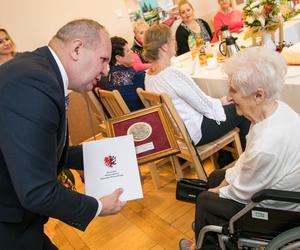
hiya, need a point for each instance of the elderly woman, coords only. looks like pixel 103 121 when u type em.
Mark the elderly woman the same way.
pixel 271 159
pixel 139 29
pixel 229 16
pixel 191 28
pixel 7 47
pixel 205 118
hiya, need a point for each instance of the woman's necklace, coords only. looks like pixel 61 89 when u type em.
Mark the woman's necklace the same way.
pixel 194 27
pixel 158 67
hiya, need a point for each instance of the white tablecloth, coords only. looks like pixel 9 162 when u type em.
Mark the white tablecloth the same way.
pixel 214 82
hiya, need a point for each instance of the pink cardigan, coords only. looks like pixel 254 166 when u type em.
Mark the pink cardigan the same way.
pixel 138 65
pixel 234 20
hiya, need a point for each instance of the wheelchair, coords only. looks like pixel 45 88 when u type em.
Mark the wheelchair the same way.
pixel 260 228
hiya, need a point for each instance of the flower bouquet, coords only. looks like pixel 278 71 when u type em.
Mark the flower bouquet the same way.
pixel 285 9
pixel 261 16
pixel 67 179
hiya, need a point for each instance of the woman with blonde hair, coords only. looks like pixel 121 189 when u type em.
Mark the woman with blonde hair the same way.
pixel 205 118
pixel 191 28
pixel 227 15
pixel 7 47
pixel 139 29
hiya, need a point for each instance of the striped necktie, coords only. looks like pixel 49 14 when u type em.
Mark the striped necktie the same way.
pixel 67 101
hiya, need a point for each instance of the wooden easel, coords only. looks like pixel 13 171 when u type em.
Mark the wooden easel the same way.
pixel 256 38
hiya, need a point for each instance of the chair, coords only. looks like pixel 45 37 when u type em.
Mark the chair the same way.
pixel 82 125
pixel 96 108
pixel 188 151
pixel 81 121
pixel 260 228
pixel 116 106
pixel 113 102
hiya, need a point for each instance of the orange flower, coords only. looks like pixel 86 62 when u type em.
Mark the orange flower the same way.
pixel 268 8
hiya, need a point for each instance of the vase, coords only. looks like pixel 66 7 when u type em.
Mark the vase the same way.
pixel 267 41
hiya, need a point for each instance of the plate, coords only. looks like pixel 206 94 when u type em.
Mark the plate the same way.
pixel 293 71
pixel 211 66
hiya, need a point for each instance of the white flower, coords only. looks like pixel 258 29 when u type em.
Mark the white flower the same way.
pixel 250 19
pixel 261 8
pixel 261 13
pixel 262 21
pixel 254 4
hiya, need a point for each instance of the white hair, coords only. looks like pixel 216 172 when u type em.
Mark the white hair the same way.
pixel 254 68
pixel 139 23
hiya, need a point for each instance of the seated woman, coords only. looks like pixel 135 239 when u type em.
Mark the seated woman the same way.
pixel 205 118
pixel 122 76
pixel 190 28
pixel 7 47
pixel 271 159
pixel 139 29
pixel 229 16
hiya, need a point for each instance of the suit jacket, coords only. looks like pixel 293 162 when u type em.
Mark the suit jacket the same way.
pixel 32 151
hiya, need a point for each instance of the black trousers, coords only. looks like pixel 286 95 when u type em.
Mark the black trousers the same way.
pixel 212 131
pixel 27 234
pixel 211 209
pixel 48 245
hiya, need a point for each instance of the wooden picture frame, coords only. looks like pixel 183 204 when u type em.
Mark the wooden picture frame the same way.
pixel 151 129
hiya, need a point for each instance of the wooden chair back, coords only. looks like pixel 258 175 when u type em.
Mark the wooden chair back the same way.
pixel 188 151
pixel 151 99
pixel 82 124
pixel 148 98
pixel 113 102
pixel 97 111
pixel 207 150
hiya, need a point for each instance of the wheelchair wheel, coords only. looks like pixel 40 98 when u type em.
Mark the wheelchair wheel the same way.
pixel 287 240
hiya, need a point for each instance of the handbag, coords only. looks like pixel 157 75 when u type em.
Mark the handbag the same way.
pixel 188 189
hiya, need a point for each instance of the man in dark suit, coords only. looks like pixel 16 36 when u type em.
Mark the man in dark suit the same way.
pixel 33 135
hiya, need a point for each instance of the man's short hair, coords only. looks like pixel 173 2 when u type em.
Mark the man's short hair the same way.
pixel 85 29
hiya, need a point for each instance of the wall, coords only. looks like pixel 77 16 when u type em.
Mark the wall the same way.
pixel 32 23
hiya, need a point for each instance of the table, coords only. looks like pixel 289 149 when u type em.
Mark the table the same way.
pixel 214 81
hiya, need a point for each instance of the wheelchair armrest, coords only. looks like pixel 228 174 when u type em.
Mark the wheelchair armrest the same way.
pixel 276 195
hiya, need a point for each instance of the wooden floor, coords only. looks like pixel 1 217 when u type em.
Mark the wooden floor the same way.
pixel 158 221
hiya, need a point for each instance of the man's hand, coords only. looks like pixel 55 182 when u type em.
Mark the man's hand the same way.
pixel 111 203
